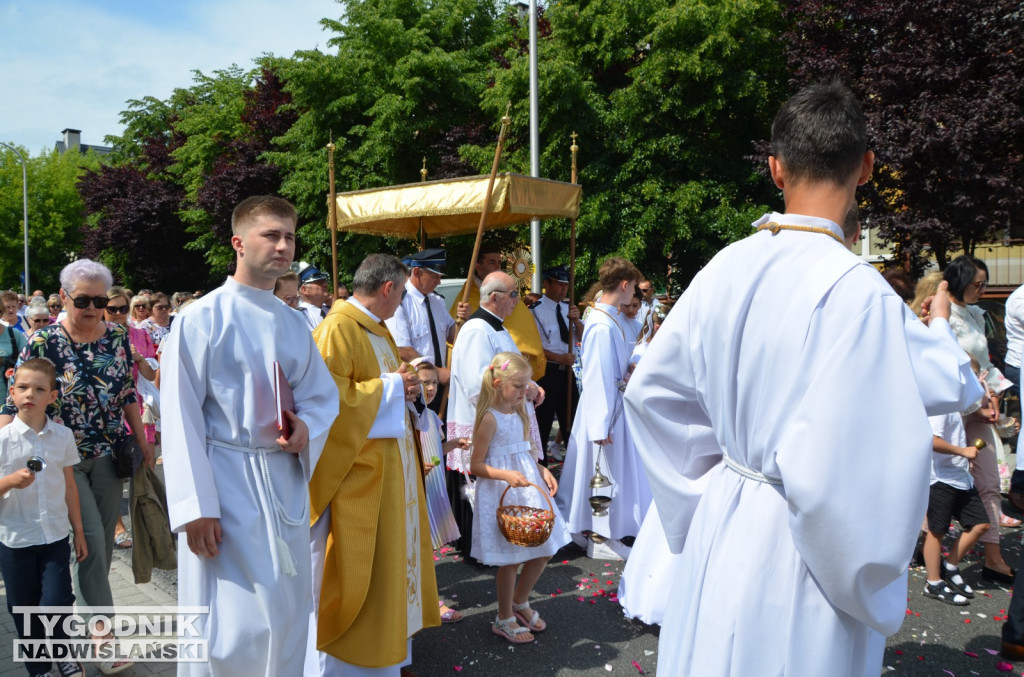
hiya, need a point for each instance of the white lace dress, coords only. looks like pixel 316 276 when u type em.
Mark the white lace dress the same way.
pixel 509 451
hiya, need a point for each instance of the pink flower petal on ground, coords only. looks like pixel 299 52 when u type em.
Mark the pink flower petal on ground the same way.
pixel 897 652
pixel 558 590
pixel 992 651
pixel 565 561
pixel 971 654
pixel 641 670
pixel 1003 666
pixel 967 620
pixel 457 668
pixel 579 599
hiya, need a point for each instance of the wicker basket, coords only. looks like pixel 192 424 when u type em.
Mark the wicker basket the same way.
pixel 525 525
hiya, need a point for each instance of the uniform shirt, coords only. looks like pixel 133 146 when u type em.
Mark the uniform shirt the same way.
pixel 1014 321
pixel 312 314
pixel 948 468
pixel 37 514
pixel 410 327
pixel 544 313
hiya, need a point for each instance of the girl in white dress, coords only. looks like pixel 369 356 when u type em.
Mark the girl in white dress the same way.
pixel 501 456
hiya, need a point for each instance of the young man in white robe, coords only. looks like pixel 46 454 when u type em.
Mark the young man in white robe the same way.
pixel 781 414
pixel 481 338
pixel 236 486
pixel 600 425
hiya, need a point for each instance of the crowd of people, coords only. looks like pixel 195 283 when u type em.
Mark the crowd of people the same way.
pixel 317 448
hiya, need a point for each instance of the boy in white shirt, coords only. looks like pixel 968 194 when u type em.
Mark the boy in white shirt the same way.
pixel 951 494
pixel 37 507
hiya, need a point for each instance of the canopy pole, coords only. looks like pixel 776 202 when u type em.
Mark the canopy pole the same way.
pixel 572 291
pixel 423 179
pixel 333 211
pixel 505 122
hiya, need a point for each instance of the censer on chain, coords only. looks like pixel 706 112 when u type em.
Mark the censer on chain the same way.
pixel 599 504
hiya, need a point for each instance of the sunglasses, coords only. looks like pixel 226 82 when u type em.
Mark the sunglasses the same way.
pixel 82 302
pixel 40 320
pixel 511 294
pixel 54 306
pixel 161 306
pixel 117 310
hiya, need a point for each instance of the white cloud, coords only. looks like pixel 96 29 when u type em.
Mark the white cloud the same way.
pixel 74 63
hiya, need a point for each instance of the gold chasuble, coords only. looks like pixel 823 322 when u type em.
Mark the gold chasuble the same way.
pixel 378 584
pixel 520 325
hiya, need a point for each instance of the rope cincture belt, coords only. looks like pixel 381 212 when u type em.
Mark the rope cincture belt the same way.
pixel 748 473
pixel 278 516
pixel 776 227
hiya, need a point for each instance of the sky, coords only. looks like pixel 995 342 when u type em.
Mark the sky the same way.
pixel 74 63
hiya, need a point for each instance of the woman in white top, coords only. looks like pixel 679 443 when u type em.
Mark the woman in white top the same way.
pixel 967 280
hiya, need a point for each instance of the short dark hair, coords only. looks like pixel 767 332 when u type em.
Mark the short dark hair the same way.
pixel 959 273
pixel 251 207
pixel 615 271
pixel 487 248
pixel 39 365
pixel 820 133
pixel 375 270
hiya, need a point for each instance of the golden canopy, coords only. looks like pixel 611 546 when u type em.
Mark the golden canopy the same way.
pixel 452 206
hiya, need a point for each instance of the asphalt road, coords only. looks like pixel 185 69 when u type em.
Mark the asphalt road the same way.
pixel 588 635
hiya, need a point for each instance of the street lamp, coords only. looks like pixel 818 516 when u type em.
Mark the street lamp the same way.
pixel 24 201
pixel 522 5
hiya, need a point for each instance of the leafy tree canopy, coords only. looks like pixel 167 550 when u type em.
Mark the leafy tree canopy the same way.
pixel 667 98
pixel 942 82
pixel 55 213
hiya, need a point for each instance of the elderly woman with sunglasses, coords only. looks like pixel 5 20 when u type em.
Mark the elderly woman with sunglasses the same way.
pixel 139 311
pixel 37 316
pixel 97 396
pixel 159 323
pixel 141 346
pixel 55 307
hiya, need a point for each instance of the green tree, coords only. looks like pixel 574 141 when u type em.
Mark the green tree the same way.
pixel 55 215
pixel 668 98
pixel 404 83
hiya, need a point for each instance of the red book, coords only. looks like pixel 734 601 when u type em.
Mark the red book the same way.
pixel 284 399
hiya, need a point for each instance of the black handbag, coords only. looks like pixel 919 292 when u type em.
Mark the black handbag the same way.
pixel 126 455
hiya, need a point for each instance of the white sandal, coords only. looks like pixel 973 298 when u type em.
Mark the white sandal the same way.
pixel 534 623
pixel 510 630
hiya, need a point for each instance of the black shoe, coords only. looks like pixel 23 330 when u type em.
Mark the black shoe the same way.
pixel 944 593
pixel 956 581
pixel 69 669
pixel 998 576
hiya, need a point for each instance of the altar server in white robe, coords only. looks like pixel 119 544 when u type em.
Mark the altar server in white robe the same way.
pixel 781 416
pixel 599 423
pixel 236 487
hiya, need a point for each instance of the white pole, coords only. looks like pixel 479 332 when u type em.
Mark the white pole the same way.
pixel 24 203
pixel 534 145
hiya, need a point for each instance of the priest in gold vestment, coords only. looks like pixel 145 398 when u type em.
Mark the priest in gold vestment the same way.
pixel 520 325
pixel 373 569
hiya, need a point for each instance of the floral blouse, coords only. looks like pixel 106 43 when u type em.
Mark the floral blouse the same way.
pixel 92 405
pixel 155 331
